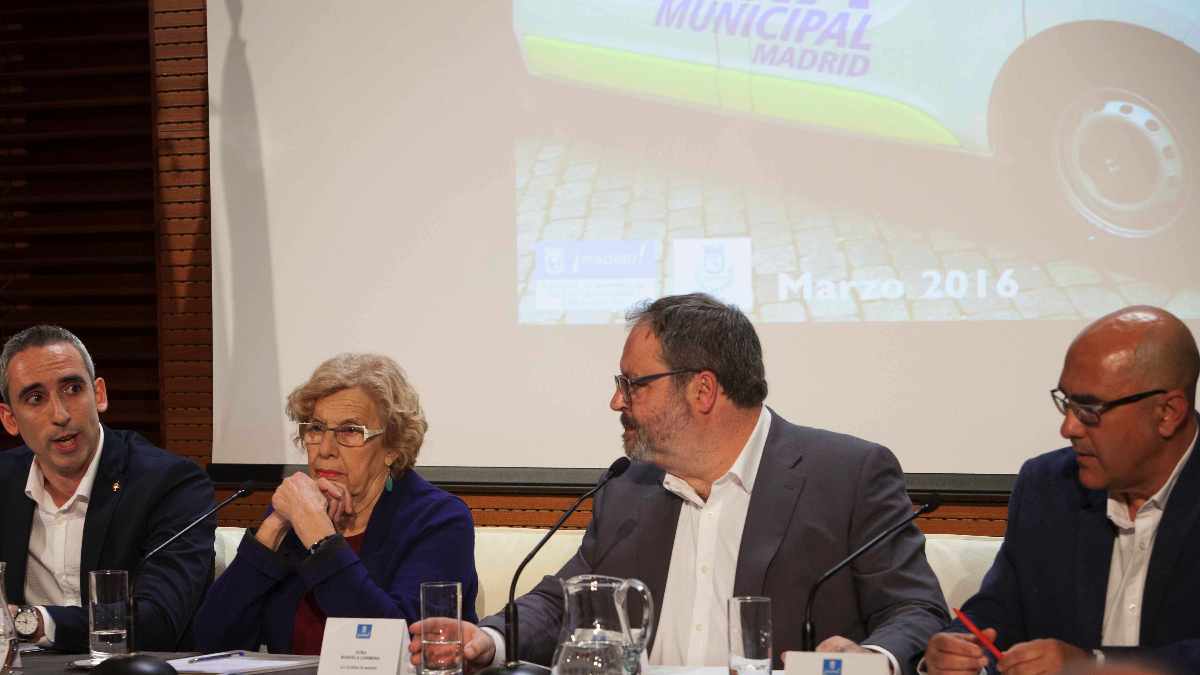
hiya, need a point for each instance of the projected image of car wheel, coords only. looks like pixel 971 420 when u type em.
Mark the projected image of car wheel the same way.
pixel 1122 163
pixel 1097 130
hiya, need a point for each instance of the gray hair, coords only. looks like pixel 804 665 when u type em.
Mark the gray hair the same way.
pixel 41 335
pixel 699 332
pixel 383 380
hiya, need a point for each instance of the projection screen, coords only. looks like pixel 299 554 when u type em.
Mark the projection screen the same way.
pixel 918 202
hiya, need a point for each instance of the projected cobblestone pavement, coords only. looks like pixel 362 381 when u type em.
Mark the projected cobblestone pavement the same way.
pixel 811 261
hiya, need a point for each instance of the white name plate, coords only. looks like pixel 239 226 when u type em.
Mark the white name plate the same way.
pixel 834 663
pixel 365 647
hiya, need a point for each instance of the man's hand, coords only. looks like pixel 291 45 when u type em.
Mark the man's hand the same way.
pixel 837 643
pixel 956 653
pixel 1039 657
pixel 479 650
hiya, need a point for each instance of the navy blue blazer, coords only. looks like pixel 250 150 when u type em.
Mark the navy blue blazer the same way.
pixel 142 496
pixel 416 533
pixel 1050 577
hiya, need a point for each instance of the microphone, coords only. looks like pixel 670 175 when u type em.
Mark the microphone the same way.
pixel 512 664
pixel 808 639
pixel 244 490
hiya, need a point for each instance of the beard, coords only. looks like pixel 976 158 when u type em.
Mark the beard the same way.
pixel 653 433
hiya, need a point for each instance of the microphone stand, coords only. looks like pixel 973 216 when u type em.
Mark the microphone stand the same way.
pixel 145 664
pixel 512 664
pixel 808 638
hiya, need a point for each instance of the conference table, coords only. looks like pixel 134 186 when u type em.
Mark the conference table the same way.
pixel 59 663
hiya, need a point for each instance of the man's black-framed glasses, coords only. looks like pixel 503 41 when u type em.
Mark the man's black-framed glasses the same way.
pixel 347 435
pixel 626 385
pixel 1089 413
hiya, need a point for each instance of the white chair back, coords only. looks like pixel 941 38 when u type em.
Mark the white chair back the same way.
pixel 959 561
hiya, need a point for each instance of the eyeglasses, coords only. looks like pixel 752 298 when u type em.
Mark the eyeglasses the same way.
pixel 626 385
pixel 348 435
pixel 1089 413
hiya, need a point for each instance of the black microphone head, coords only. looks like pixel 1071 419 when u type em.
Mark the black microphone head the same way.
pixel 618 467
pixel 247 488
pixel 931 503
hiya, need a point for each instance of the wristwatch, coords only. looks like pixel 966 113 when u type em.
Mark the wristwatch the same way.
pixel 313 549
pixel 27 621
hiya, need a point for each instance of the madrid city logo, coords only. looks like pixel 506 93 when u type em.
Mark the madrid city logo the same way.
pixel 556 259
pixel 716 274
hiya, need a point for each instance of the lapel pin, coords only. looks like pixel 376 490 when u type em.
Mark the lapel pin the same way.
pixel 116 486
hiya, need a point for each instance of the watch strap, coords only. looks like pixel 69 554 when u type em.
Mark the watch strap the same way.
pixel 313 549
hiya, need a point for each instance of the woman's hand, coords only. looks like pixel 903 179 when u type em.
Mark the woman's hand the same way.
pixel 341 505
pixel 272 531
pixel 300 501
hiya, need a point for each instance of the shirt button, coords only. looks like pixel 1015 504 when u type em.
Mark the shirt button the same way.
pixel 710 515
pixel 704 570
pixel 59 521
pixel 1142 546
pixel 60 575
pixel 1133 608
pixel 699 627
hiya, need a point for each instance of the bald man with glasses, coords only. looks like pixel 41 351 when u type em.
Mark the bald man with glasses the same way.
pixel 1101 557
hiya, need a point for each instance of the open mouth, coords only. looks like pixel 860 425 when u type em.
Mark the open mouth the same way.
pixel 66 443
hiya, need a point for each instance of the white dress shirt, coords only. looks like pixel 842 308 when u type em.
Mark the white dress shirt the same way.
pixel 1131 559
pixel 694 624
pixel 55 543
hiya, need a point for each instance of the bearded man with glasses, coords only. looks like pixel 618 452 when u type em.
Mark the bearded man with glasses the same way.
pixel 727 498
pixel 1101 558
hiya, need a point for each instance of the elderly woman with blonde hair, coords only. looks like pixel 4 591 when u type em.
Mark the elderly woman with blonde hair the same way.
pixel 357 535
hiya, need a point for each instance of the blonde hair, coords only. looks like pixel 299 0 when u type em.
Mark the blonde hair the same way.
pixel 383 380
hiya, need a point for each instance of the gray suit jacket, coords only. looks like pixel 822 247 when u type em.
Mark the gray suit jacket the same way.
pixel 818 497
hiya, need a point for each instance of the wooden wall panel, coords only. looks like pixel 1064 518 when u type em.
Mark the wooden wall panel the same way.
pixel 77 227
pixel 542 511
pixel 184 253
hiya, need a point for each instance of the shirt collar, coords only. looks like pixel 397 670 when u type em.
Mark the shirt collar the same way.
pixel 744 469
pixel 35 485
pixel 1118 510
pixel 1160 497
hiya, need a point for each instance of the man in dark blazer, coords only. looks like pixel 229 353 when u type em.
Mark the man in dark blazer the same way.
pixel 782 504
pixel 80 497
pixel 1101 555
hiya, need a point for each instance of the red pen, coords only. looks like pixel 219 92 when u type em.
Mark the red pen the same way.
pixel 977 633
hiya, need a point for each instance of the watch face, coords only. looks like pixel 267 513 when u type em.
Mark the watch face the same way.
pixel 27 622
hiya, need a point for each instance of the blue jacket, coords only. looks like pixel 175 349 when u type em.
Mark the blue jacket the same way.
pixel 142 496
pixel 416 533
pixel 1050 577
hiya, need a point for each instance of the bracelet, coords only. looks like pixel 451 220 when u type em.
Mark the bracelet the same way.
pixel 313 549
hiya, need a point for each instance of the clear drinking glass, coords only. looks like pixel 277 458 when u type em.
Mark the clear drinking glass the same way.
pixel 106 612
pixel 9 640
pixel 441 627
pixel 749 635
